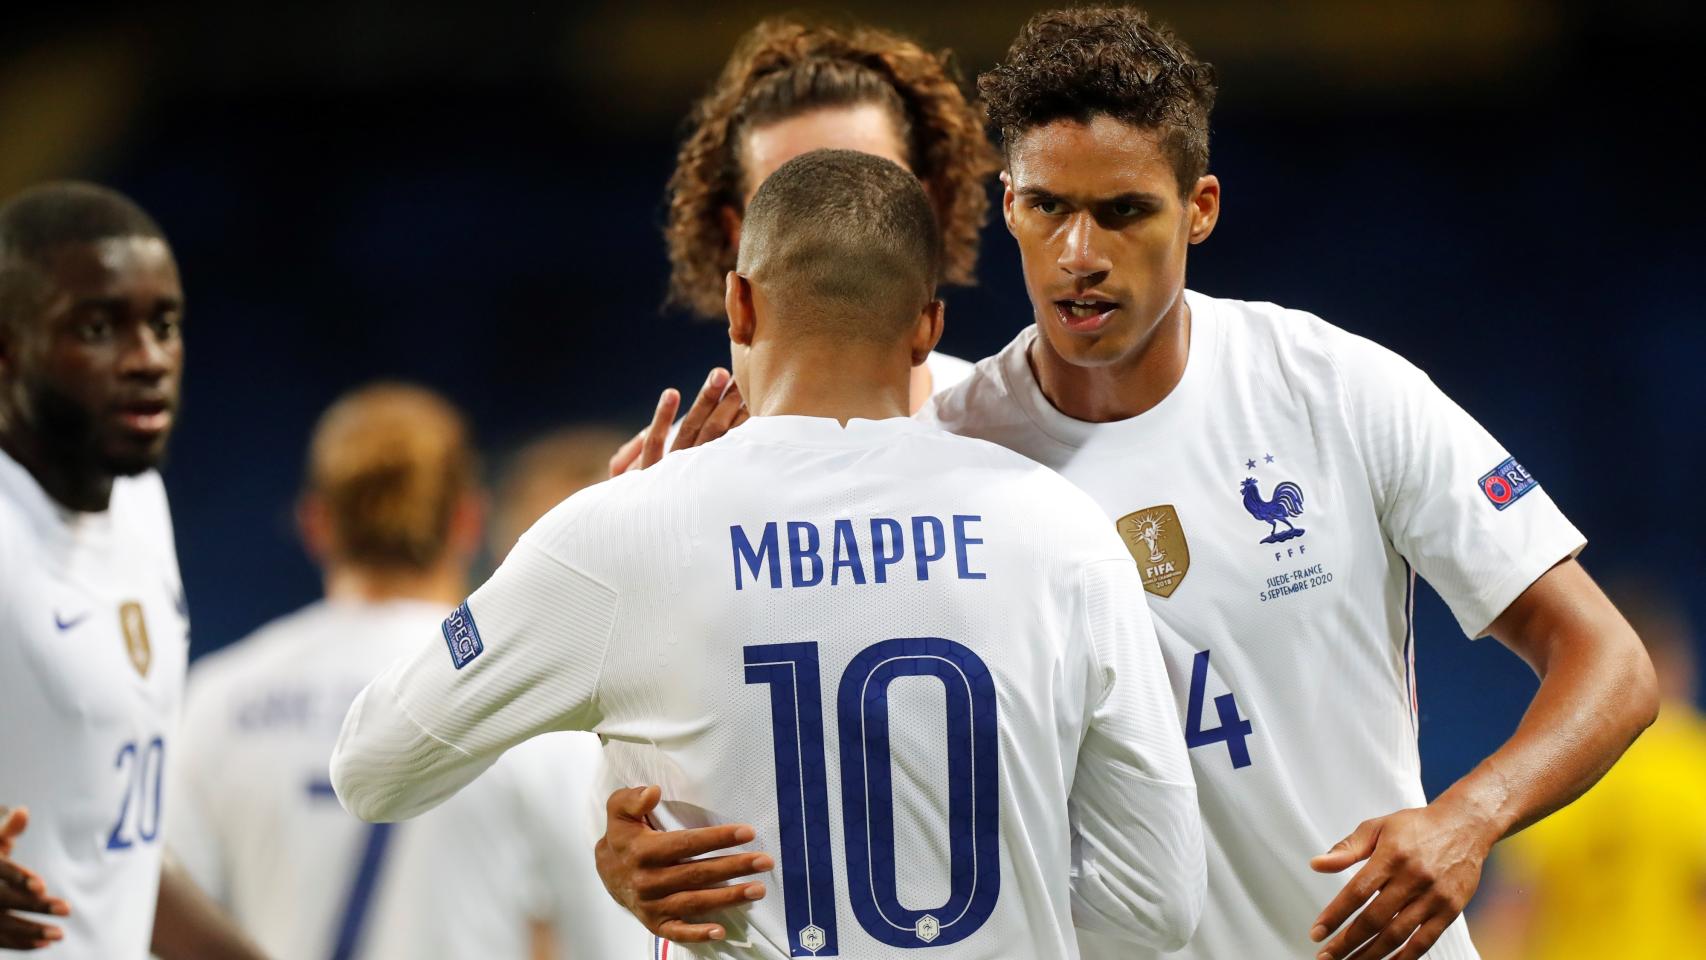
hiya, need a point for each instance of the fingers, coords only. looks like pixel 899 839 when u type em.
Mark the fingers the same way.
pixel 632 803
pixel 626 454
pixel 1376 917
pixel 680 931
pixel 13 821
pixel 651 450
pixel 1354 894
pixel 1395 932
pixel 698 903
pixel 667 849
pixel 1356 847
pixel 710 396
pixel 663 882
pixel 17 933
pixel 723 418
pixel 1425 937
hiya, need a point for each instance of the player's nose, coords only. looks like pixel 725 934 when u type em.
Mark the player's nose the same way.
pixel 1081 254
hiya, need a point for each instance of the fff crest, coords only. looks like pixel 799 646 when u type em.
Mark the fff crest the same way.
pixel 135 630
pixel 1157 543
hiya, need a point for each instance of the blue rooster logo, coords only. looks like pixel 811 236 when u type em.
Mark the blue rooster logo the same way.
pixel 1287 502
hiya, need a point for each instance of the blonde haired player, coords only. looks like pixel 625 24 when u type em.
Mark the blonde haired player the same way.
pixel 914 660
pixel 392 513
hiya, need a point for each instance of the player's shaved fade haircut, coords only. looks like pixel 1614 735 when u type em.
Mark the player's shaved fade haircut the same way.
pixel 46 217
pixel 1077 63
pixel 843 244
pixel 787 67
pixel 390 463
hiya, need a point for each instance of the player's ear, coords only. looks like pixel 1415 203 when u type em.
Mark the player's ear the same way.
pixel 467 523
pixel 927 332
pixel 1205 207
pixel 315 527
pixel 1007 199
pixel 737 303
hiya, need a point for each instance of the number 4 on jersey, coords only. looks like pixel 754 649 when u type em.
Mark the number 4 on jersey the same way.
pixel 1233 728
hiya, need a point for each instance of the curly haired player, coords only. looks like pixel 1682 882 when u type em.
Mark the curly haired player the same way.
pixel 792 86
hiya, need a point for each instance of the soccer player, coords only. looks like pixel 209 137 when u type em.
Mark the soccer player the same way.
pixel 93 625
pixel 1279 482
pixel 791 86
pixel 391 511
pixel 950 628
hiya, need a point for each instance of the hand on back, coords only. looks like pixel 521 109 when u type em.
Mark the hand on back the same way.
pixel 716 410
pixel 21 891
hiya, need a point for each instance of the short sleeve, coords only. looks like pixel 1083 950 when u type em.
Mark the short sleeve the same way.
pixel 1452 501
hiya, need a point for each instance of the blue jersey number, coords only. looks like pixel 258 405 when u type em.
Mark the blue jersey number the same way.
pixel 867 794
pixel 1233 728
pixel 143 767
pixel 354 916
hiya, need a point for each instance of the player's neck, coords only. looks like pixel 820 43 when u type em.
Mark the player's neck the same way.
pixel 810 379
pixel 71 485
pixel 442 584
pixel 1121 390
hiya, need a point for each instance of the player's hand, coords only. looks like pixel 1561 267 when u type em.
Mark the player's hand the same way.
pixel 1423 866
pixel 21 891
pixel 654 875
pixel 717 409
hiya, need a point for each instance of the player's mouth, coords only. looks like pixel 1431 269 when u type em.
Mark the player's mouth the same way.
pixel 1085 315
pixel 149 416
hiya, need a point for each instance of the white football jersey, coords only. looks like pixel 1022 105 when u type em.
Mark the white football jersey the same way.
pixel 1278 503
pixel 94 637
pixel 259 828
pixel 946 370
pixel 917 663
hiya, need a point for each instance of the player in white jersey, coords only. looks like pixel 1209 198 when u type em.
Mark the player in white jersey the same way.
pixel 392 513
pixel 792 85
pixel 1278 482
pixel 93 627
pixel 835 602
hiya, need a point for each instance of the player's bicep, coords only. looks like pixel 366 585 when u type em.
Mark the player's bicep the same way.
pixel 1451 499
pixel 521 657
pixel 1133 710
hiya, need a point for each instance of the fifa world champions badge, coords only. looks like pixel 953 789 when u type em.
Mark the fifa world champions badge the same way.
pixel 1157 542
pixel 134 627
pixel 462 636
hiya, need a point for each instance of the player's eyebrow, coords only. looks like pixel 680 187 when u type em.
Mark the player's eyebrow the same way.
pixel 120 303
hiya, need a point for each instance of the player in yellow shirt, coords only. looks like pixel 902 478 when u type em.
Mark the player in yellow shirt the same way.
pixel 1622 871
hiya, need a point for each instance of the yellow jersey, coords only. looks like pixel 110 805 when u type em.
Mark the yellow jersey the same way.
pixel 1622 871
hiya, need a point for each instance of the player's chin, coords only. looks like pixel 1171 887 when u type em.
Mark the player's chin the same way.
pixel 1106 346
pixel 129 456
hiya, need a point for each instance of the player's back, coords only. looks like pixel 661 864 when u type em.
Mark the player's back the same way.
pixel 259 827
pixel 875 644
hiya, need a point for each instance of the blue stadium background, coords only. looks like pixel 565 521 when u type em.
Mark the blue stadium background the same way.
pixel 1500 191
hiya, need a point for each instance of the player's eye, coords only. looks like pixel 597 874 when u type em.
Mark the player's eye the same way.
pixel 168 325
pixel 1050 208
pixel 94 329
pixel 1125 210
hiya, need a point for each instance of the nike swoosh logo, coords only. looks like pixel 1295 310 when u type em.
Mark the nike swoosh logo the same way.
pixel 64 624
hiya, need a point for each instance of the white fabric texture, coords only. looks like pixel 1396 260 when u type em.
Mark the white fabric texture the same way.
pixel 1302 618
pixel 631 610
pixel 94 638
pixel 262 833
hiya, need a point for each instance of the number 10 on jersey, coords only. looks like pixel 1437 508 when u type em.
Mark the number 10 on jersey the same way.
pixel 867 797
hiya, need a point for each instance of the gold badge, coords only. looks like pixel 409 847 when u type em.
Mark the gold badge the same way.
pixel 1157 543
pixel 135 630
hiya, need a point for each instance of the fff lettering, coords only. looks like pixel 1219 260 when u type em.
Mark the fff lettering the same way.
pixel 801 553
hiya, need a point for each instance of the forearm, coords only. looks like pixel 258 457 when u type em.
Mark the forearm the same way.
pixel 1597 693
pixel 385 767
pixel 189 925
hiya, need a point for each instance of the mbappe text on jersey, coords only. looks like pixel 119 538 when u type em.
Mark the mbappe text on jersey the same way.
pixel 811 556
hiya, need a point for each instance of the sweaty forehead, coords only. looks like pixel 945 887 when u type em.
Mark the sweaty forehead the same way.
pixel 1099 159
pixel 120 266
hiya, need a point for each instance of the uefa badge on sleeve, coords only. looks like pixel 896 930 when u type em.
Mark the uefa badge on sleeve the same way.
pixel 462 636
pixel 1506 483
